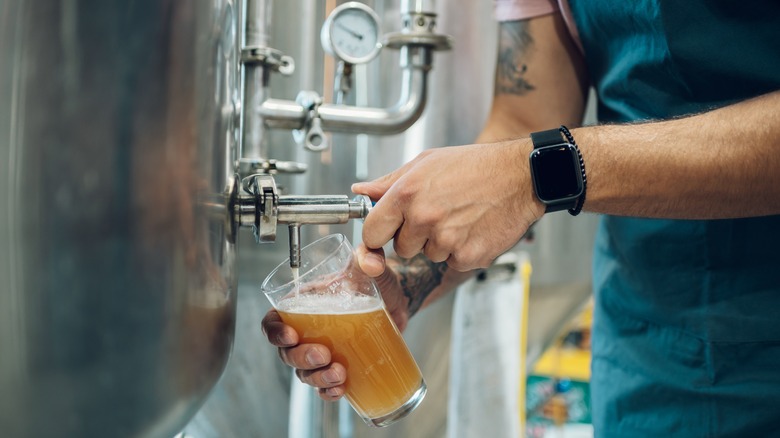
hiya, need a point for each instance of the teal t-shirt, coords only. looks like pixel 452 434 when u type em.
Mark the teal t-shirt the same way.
pixel 686 337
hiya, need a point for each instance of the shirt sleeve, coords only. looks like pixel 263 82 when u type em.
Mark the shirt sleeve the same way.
pixel 510 10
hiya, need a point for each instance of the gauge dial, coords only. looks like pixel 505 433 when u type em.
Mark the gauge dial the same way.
pixel 351 33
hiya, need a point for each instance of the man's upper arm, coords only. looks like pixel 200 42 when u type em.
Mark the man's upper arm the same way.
pixel 541 80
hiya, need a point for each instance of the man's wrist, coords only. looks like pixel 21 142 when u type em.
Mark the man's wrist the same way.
pixel 418 278
pixel 531 201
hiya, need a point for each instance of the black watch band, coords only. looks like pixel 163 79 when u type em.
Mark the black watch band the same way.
pixel 549 137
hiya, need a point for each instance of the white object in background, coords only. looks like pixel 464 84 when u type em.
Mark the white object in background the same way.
pixel 303 410
pixel 486 359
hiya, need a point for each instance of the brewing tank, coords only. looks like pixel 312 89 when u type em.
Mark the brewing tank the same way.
pixel 117 277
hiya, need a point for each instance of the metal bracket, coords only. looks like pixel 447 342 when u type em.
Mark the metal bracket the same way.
pixel 270 58
pixel 251 166
pixel 418 30
pixel 311 136
pixel 263 190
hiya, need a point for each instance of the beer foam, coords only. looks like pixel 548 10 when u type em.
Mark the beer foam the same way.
pixel 340 303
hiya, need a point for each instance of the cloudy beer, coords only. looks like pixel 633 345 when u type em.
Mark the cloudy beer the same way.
pixel 329 300
pixel 382 376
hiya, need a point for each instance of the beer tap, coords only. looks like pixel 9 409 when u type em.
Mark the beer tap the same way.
pixel 260 206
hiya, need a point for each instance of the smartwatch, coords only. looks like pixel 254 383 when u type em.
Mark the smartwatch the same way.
pixel 556 172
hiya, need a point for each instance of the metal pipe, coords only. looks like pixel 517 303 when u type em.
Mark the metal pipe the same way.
pixel 255 77
pixel 378 121
pixel 294 231
pixel 417 6
pixel 282 114
pixel 415 62
pixel 257 23
pixel 321 209
pixel 254 144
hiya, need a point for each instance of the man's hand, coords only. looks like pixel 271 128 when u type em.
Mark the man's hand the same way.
pixel 465 205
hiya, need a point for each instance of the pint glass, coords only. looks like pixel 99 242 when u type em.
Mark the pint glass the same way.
pixel 330 301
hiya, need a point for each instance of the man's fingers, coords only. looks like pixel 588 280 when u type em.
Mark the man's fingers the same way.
pixel 386 216
pixel 306 356
pixel 434 252
pixel 326 377
pixel 409 242
pixel 279 334
pixel 381 223
pixel 371 261
pixel 331 394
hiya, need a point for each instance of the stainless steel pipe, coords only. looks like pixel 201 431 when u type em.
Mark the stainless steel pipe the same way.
pixel 255 78
pixel 415 65
pixel 321 209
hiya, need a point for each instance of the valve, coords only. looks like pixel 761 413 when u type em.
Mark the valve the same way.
pixel 260 206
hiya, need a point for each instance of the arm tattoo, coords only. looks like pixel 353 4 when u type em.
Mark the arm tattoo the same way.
pixel 513 44
pixel 418 277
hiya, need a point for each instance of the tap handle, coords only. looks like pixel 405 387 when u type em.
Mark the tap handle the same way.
pixel 360 206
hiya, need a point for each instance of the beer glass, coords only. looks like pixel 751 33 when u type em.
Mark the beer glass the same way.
pixel 330 301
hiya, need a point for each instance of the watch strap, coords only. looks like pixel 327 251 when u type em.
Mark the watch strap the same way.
pixel 558 206
pixel 546 138
pixel 574 211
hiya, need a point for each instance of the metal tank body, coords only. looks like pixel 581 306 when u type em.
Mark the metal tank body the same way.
pixel 253 397
pixel 117 280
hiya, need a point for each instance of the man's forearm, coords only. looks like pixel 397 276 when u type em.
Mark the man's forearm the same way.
pixel 721 164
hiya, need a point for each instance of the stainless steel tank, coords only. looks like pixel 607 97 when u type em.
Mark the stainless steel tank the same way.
pixel 117 280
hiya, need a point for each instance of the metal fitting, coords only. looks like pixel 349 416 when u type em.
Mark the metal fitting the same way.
pixel 268 58
pixel 260 206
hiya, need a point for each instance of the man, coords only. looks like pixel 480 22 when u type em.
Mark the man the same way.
pixel 686 175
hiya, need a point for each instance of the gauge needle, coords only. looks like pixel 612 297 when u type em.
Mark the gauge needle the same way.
pixel 351 32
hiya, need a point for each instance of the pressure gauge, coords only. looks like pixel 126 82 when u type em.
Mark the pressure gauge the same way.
pixel 351 33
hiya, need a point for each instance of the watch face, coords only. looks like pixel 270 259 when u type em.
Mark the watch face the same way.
pixel 556 173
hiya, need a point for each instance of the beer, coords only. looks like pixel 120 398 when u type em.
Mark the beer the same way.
pixel 329 300
pixel 382 376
